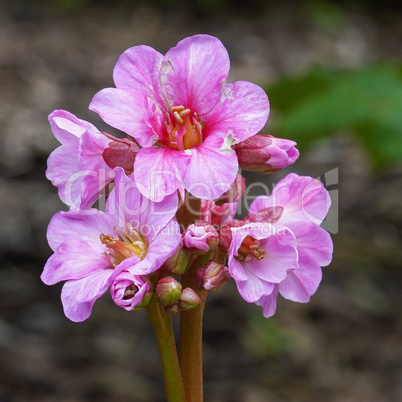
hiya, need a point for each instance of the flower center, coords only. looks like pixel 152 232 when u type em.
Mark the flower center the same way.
pixel 130 292
pixel 125 245
pixel 250 248
pixel 183 129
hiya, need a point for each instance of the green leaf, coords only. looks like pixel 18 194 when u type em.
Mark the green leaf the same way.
pixel 366 102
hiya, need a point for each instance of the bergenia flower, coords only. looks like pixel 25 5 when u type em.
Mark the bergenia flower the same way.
pixel 183 114
pixel 303 203
pixel 260 256
pixel 92 249
pixel 266 154
pixel 83 165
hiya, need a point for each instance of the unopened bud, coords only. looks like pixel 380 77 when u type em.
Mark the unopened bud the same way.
pixel 173 309
pixel 215 276
pixel 130 291
pixel 121 153
pixel 178 262
pixel 168 291
pixel 188 299
pixel 235 192
pixel 265 153
pixel 225 237
pixel 216 215
pixel 199 278
pixel 145 300
pixel 201 236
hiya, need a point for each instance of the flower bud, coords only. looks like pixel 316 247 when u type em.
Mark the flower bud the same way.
pixel 217 214
pixel 225 234
pixel 179 261
pixel 130 291
pixel 201 236
pixel 199 278
pixel 215 276
pixel 173 309
pixel 235 192
pixel 188 299
pixel 265 153
pixel 168 291
pixel 121 152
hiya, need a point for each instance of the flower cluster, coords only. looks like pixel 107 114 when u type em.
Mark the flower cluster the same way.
pixel 172 187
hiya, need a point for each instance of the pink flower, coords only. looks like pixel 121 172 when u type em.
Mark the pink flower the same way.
pixel 185 116
pixel 305 203
pixel 260 256
pixel 92 249
pixel 83 165
pixel 266 154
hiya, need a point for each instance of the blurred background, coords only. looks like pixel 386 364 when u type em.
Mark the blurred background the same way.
pixel 332 71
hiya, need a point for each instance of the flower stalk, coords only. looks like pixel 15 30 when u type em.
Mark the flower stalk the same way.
pixel 191 343
pixel 163 328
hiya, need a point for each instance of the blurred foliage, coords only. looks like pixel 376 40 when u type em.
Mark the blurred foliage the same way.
pixel 366 102
pixel 268 338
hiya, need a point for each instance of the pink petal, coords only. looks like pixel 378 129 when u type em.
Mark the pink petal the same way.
pixel 128 111
pixel 268 303
pixel 74 310
pixel 236 269
pixel 65 125
pixel 193 73
pixel 314 241
pixel 79 225
pixel 88 290
pixel 126 202
pixel 63 168
pixel 303 282
pixel 241 112
pixel 159 171
pixel 211 171
pixel 253 288
pixel 281 256
pixel 161 247
pixel 138 68
pixel 74 259
pixel 303 199
pixel 98 173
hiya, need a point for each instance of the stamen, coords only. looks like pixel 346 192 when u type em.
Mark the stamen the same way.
pixel 249 248
pixel 178 118
pixel 186 132
pixel 125 245
pixel 177 109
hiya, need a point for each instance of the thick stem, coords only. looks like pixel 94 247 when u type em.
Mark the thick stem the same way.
pixel 191 344
pixel 191 321
pixel 162 324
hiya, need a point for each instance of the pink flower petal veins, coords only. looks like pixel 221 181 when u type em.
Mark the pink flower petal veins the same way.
pixel 126 110
pixel 241 112
pixel 193 73
pixel 303 199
